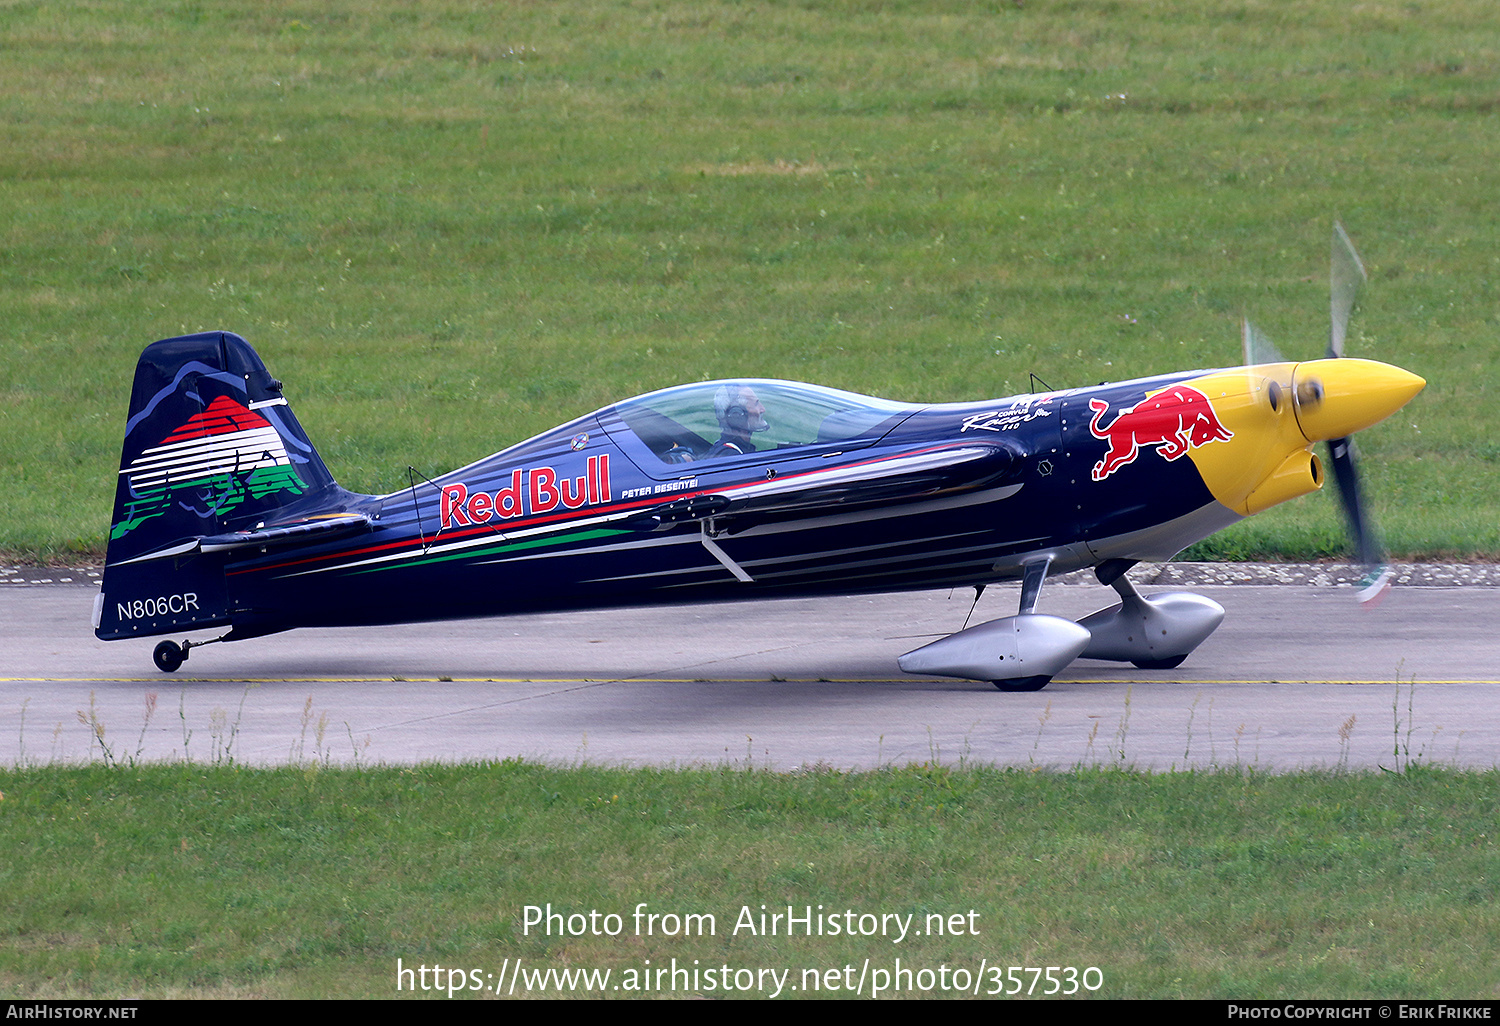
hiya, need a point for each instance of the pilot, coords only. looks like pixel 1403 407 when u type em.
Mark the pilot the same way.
pixel 741 414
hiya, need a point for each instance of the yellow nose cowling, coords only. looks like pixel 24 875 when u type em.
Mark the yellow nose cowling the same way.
pixel 1335 398
pixel 1273 413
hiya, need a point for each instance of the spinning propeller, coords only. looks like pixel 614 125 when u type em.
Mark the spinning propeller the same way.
pixel 1327 399
pixel 1346 274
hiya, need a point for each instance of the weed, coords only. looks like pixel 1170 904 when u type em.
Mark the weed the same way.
pixel 1213 752
pixel 299 747
pixel 321 755
pixel 360 748
pixel 225 731
pixel 1401 728
pixel 140 742
pixel 1430 742
pixel 217 720
pixel 1041 725
pixel 1345 730
pixel 187 734
pixel 1188 743
pixel 1124 727
pixel 21 738
pixel 96 731
pixel 967 749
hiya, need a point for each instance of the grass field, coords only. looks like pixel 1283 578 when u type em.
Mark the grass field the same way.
pixel 174 881
pixel 449 225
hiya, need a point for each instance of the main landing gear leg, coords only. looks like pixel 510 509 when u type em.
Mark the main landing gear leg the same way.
pixel 1031 590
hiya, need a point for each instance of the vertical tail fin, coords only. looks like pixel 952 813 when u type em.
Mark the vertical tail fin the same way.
pixel 210 446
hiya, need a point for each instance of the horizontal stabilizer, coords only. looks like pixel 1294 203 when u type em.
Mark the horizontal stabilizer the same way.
pixel 308 531
pixel 314 529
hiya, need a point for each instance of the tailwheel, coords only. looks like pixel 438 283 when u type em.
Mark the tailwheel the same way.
pixel 169 656
pixel 1160 664
pixel 1022 683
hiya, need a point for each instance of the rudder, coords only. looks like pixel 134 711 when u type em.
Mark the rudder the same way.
pixel 211 446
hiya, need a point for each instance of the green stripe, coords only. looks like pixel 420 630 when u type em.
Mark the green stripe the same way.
pixel 231 494
pixel 574 536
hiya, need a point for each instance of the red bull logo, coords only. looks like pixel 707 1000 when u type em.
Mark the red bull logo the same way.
pixel 1175 420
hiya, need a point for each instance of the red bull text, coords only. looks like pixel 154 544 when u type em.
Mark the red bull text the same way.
pixel 529 493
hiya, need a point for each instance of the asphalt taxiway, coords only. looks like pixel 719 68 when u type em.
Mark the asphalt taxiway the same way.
pixel 1299 675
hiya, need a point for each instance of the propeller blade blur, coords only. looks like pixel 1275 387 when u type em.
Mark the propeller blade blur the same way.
pixel 1346 274
pixel 1346 476
pixel 1258 345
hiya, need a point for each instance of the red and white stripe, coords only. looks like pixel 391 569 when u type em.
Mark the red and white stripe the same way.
pixel 224 438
